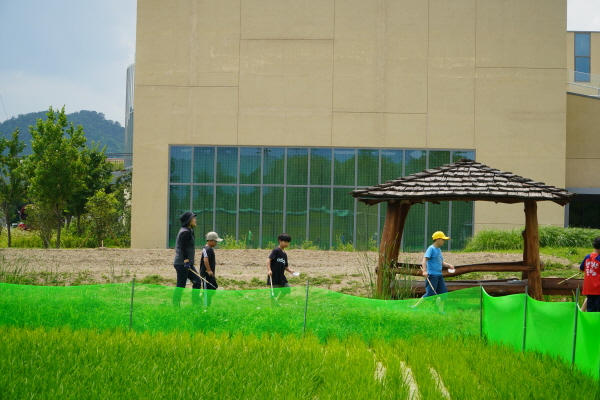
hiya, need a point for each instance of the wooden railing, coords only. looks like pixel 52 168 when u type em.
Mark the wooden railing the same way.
pixel 415 269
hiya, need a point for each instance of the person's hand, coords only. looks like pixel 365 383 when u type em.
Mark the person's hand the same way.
pixel 270 273
pixel 210 273
pixel 187 265
pixel 425 273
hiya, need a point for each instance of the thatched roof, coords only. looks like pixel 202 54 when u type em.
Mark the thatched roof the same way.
pixel 465 180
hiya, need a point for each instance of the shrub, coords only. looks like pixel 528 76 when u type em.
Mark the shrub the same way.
pixel 550 236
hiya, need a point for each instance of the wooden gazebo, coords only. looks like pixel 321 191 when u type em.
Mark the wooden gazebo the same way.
pixel 464 180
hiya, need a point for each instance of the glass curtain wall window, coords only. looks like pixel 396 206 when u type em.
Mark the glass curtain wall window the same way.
pixel 582 57
pixel 252 194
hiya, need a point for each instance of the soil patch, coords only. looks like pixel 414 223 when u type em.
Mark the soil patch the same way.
pixel 346 272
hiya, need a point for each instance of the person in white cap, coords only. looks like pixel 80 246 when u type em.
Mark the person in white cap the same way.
pixel 208 265
pixel 432 265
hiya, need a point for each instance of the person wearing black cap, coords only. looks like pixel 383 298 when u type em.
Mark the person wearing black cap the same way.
pixel 183 263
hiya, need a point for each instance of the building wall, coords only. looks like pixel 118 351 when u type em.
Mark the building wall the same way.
pixel 583 127
pixel 486 75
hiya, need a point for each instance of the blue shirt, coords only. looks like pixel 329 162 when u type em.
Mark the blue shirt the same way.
pixel 434 260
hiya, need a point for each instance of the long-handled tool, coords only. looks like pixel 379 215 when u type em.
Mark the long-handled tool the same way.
pixel 197 274
pixel 569 278
pixel 247 298
pixel 432 288
pixel 273 297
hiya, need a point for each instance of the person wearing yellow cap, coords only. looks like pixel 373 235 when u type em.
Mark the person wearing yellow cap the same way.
pixel 432 265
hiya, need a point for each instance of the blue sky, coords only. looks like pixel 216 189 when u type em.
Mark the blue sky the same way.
pixel 76 52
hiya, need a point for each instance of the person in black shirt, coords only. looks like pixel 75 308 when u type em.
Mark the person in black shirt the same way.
pixel 277 264
pixel 208 265
pixel 184 259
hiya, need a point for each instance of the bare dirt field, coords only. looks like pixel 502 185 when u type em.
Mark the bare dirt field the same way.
pixel 345 272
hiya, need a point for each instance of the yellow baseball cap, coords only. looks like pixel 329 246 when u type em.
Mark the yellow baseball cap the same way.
pixel 439 235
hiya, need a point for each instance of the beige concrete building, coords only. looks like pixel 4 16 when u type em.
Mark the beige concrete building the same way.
pixel 426 82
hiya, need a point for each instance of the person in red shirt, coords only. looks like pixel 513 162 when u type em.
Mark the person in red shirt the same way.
pixel 591 281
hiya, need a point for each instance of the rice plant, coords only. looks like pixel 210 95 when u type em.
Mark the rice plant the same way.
pixel 67 364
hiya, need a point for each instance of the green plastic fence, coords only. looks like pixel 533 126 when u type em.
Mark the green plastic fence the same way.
pixel 320 312
pixel 558 329
pixel 518 321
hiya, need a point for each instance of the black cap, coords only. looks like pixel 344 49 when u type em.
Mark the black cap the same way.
pixel 186 218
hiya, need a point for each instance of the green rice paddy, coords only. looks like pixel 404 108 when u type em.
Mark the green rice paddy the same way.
pixel 94 342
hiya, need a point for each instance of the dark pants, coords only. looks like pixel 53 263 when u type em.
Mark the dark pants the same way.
pixel 593 304
pixel 183 274
pixel 209 286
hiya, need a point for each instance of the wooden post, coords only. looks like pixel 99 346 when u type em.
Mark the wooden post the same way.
pixel 390 239
pixel 532 249
pixel 524 274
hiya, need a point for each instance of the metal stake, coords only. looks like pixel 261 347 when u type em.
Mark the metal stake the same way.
pixel 575 329
pixel 305 309
pixel 525 317
pixel 481 311
pixel 131 307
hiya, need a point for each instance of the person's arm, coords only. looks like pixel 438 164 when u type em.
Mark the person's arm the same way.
pixel 269 267
pixel 207 266
pixel 288 269
pixel 424 266
pixel 206 262
pixel 582 265
pixel 447 265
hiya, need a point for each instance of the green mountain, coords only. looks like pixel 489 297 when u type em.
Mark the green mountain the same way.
pixel 97 129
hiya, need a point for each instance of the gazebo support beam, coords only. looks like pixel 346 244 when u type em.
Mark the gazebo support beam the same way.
pixel 531 249
pixel 390 240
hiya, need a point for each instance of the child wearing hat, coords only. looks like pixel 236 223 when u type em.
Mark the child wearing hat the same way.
pixel 432 265
pixel 208 265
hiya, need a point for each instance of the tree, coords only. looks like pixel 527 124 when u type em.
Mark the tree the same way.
pixel 96 176
pixel 41 221
pixel 13 185
pixel 55 166
pixel 103 210
pixel 122 192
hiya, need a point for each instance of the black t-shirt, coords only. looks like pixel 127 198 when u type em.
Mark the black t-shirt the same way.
pixel 279 262
pixel 208 252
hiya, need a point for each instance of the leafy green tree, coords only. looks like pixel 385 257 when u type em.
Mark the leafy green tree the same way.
pixel 55 167
pixel 103 212
pixel 13 185
pixel 122 192
pixel 41 221
pixel 96 176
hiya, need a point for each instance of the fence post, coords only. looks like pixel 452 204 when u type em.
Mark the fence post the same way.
pixel 575 328
pixel 131 307
pixel 481 311
pixel 305 309
pixel 525 317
